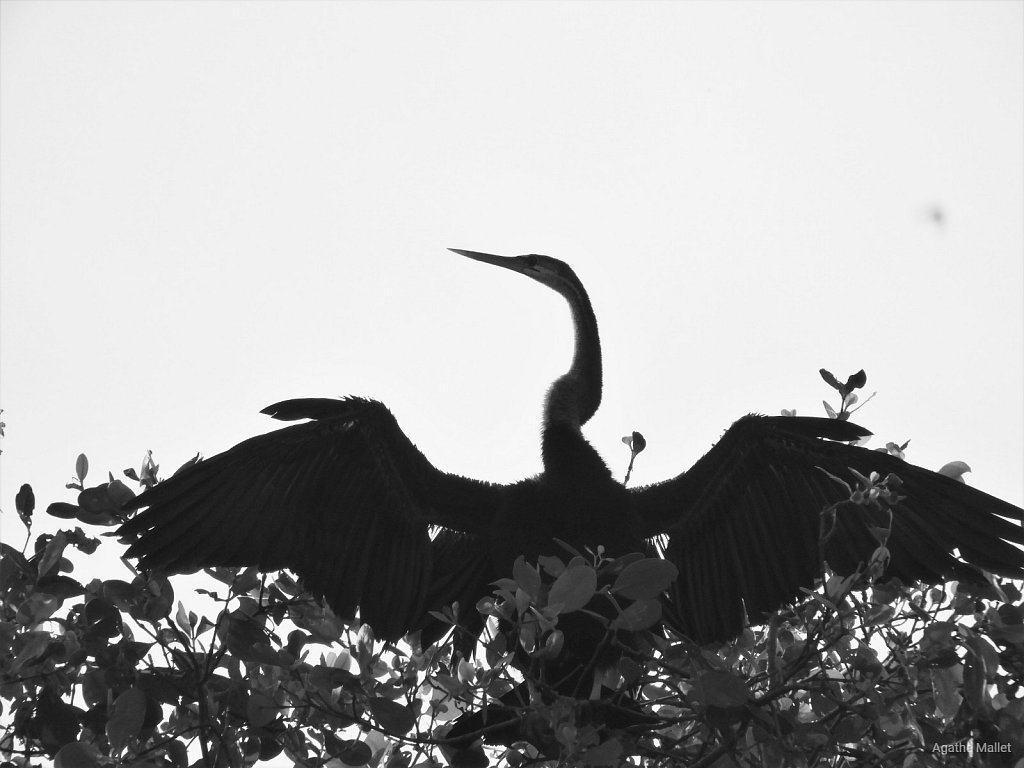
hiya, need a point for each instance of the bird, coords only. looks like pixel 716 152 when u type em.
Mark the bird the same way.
pixel 344 499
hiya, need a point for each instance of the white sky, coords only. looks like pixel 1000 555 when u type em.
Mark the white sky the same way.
pixel 209 207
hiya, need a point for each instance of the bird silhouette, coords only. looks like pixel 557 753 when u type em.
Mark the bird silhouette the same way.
pixel 346 501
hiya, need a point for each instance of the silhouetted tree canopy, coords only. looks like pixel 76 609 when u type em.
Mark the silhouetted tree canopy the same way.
pixel 864 670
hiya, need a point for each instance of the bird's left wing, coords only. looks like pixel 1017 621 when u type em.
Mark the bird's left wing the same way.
pixel 744 523
pixel 345 500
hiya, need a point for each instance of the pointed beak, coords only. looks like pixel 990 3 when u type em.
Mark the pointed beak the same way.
pixel 509 262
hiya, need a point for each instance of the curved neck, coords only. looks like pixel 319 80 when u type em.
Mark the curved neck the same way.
pixel 575 395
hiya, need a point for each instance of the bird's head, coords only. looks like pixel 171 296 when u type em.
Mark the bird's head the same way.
pixel 544 269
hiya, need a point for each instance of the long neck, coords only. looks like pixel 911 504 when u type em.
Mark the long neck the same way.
pixel 575 396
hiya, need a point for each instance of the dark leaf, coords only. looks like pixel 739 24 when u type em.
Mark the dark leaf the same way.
pixel 605 753
pixel 126 718
pixel 638 444
pixel 159 604
pixel 97 507
pixel 526 577
pixel 177 753
pixel 121 593
pixel 856 381
pixel 52 553
pixel 13 567
pixel 470 758
pixel 392 717
pixel 81 467
pixel 269 748
pixel 245 637
pixel 84 544
pixel 955 470
pixel 39 607
pixel 349 751
pixel 25 503
pixel 325 679
pixel 182 619
pixel 975 673
pixel 296 639
pixel 720 689
pixel 574 588
pixel 61 587
pixel 29 646
pixel 945 686
pixel 119 494
pixel 64 510
pixel 830 380
pixel 553 566
pixel 261 710
pixel 645 579
pixel 639 615
pixel 102 618
pixel 77 754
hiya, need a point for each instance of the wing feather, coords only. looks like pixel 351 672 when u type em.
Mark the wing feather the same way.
pixel 743 524
pixel 344 500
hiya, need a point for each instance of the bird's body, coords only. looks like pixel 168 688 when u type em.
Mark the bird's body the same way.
pixel 348 502
pixel 576 501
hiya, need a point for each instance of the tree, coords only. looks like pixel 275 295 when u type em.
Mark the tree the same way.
pixel 863 670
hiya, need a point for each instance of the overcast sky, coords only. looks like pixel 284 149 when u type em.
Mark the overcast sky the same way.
pixel 210 207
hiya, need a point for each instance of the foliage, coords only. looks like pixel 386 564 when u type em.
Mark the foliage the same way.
pixel 863 670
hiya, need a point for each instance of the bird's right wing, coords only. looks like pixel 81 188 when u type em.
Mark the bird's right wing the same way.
pixel 345 500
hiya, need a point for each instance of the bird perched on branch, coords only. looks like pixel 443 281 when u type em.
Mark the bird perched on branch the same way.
pixel 345 500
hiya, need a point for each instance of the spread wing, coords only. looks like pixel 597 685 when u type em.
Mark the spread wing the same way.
pixel 345 500
pixel 744 522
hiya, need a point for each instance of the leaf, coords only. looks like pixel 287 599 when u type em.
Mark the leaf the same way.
pixel 118 493
pixel 945 682
pixel 638 444
pixel 975 673
pixel 177 753
pixel 721 689
pixel 955 470
pixel 830 380
pixel 349 751
pixel 551 565
pixel 77 754
pixel 552 647
pixel 25 503
pixel 120 592
pixel 181 618
pixel 605 753
pixel 102 618
pixel 325 679
pixel 574 588
pixel 37 608
pixel 97 506
pixel 645 579
pixel 81 467
pixel 63 510
pixel 526 577
pixel 261 710
pixel 393 718
pixel 33 645
pixel 857 380
pixel 635 442
pixel 470 758
pixel 61 587
pixel 639 615
pixel 53 553
pixel 126 719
